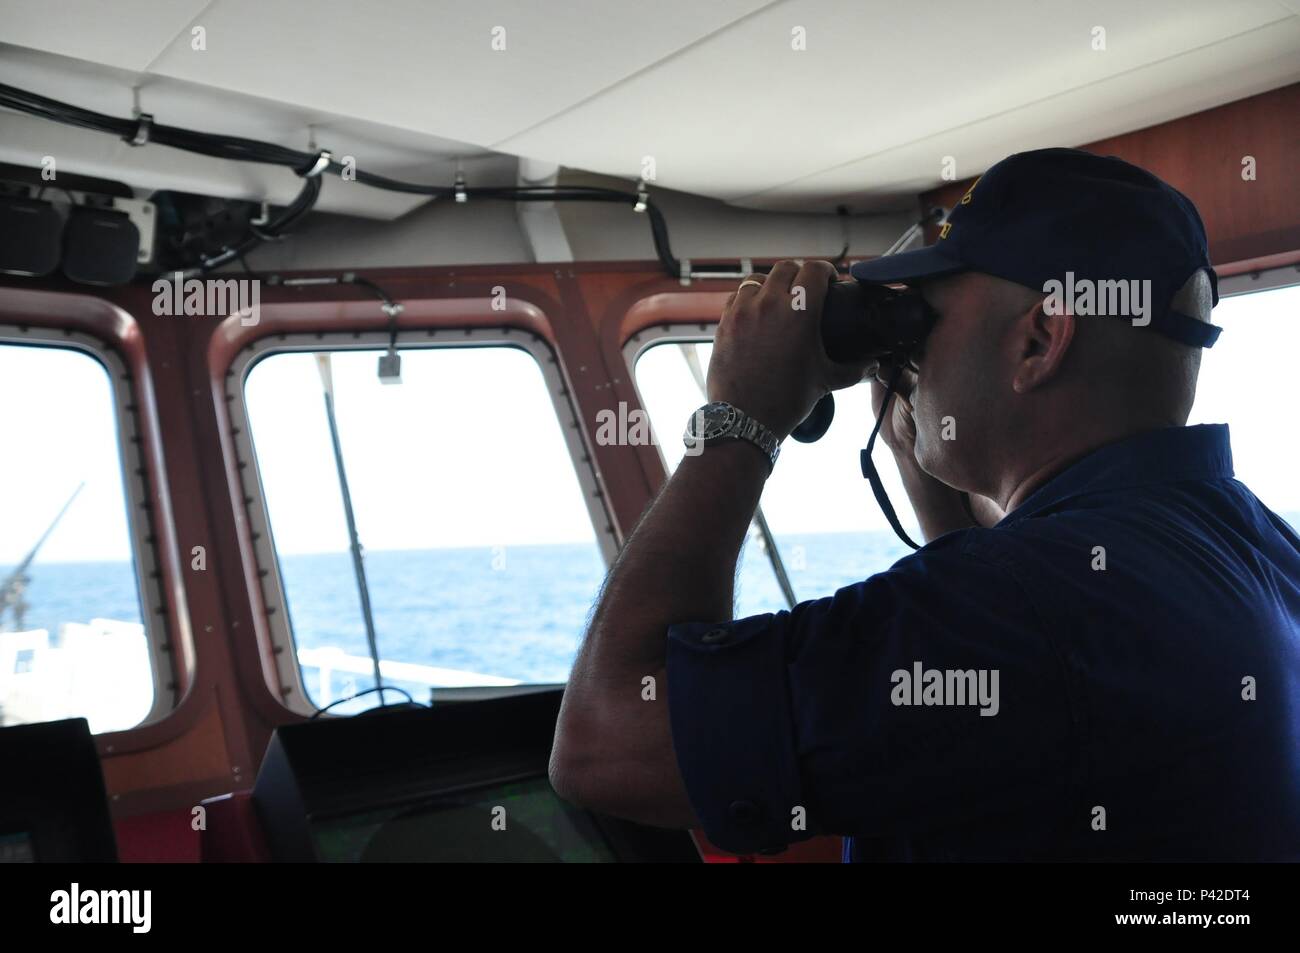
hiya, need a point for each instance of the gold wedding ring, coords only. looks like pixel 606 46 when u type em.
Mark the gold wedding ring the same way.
pixel 750 281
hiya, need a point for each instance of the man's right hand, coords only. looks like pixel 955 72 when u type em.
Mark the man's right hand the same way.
pixel 898 430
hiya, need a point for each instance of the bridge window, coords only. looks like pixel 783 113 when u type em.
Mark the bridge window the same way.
pixel 478 556
pixel 1248 381
pixel 824 530
pixel 73 642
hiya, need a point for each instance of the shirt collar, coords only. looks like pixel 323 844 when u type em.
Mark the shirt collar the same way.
pixel 1169 455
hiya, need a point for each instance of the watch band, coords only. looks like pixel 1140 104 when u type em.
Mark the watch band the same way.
pixel 750 429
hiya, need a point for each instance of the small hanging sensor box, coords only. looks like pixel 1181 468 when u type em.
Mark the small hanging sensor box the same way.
pixel 390 363
pixel 390 367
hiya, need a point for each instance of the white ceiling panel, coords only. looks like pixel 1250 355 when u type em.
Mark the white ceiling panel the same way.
pixel 1264 59
pixel 713 90
pixel 429 65
pixel 127 34
pixel 741 114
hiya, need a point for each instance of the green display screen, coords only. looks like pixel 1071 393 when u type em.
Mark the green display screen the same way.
pixel 519 822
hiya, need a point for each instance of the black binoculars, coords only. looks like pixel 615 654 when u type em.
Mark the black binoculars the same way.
pixel 862 321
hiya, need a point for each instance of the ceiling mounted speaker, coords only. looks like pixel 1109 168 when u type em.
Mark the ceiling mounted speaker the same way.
pixel 100 246
pixel 29 236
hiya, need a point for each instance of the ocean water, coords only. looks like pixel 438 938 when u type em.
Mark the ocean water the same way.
pixel 77 592
pixel 515 612
pixel 518 612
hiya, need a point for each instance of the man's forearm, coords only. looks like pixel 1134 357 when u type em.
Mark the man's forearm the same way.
pixel 613 744
pixel 680 563
pixel 937 506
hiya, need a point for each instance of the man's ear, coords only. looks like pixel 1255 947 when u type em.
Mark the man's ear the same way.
pixel 1044 340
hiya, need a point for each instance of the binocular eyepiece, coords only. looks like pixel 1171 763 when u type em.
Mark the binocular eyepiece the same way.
pixel 859 322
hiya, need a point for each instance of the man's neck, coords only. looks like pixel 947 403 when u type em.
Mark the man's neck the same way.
pixel 1020 484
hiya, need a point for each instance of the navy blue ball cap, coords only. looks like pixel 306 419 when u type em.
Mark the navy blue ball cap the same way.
pixel 1090 225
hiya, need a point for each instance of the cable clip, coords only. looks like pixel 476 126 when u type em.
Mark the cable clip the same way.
pixel 258 226
pixel 322 163
pixel 642 197
pixel 144 122
pixel 264 235
pixel 461 194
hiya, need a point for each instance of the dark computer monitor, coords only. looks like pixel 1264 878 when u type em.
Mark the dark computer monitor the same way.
pixel 53 803
pixel 457 782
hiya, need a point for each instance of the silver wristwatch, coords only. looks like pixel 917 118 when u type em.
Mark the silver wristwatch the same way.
pixel 720 421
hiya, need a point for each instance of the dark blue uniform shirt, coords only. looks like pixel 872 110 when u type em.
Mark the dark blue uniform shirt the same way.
pixel 1110 673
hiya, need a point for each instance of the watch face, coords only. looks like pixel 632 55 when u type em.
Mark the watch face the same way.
pixel 712 420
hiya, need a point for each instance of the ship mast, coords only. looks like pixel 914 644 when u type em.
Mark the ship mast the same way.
pixel 15 584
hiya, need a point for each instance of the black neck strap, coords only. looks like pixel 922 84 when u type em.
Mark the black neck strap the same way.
pixel 869 467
